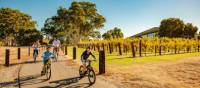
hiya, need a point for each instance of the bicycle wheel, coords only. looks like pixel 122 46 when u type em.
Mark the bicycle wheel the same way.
pixel 55 55
pixel 91 76
pixel 35 56
pixel 81 71
pixel 48 71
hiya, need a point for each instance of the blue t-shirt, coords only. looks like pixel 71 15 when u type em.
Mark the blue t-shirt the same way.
pixel 86 55
pixel 46 55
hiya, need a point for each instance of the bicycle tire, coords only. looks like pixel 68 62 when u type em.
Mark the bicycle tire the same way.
pixel 93 76
pixel 81 72
pixel 48 72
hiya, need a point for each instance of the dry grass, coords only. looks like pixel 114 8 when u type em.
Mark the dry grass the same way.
pixel 184 73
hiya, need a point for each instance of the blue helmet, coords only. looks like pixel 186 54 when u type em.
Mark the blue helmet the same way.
pixel 48 46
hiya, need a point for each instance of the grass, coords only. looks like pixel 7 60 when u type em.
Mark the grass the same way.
pixel 126 59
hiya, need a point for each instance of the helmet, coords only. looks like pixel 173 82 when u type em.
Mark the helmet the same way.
pixel 48 46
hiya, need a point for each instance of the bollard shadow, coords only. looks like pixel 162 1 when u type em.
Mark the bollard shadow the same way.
pixel 30 80
pixel 8 84
pixel 68 83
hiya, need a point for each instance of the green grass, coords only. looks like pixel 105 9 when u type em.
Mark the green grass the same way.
pixel 126 59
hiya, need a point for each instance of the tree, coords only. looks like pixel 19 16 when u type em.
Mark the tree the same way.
pixel 27 37
pixel 175 28
pixel 113 33
pixel 189 31
pixel 76 22
pixel 117 33
pixel 96 35
pixel 171 27
pixel 11 21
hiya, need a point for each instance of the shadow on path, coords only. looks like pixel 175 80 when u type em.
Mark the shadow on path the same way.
pixel 31 79
pixel 68 83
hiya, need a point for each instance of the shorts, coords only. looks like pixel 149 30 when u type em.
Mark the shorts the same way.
pixel 45 61
pixel 83 61
pixel 35 51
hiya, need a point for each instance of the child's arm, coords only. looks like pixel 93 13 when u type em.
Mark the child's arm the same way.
pixel 93 55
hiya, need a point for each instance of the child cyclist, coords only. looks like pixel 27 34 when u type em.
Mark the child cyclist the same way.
pixel 47 55
pixel 85 55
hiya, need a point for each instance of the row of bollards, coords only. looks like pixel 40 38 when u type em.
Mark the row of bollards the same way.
pixel 7 55
pixel 101 57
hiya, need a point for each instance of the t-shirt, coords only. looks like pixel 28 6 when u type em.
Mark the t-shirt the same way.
pixel 46 55
pixel 86 55
pixel 36 46
pixel 56 42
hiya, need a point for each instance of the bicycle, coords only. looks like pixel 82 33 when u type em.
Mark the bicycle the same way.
pixel 89 72
pixel 35 55
pixel 47 69
pixel 55 52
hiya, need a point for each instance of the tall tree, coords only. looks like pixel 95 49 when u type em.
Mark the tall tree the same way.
pixel 76 22
pixel 27 37
pixel 11 21
pixel 171 27
pixel 189 30
pixel 174 27
pixel 96 35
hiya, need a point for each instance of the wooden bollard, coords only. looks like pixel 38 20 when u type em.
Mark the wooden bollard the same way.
pixel 160 48
pixel 74 52
pixel 29 51
pixel 110 50
pixel 7 57
pixel 101 62
pixel 19 53
pixel 66 50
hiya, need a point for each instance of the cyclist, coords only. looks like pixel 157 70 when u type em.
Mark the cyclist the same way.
pixel 56 44
pixel 36 46
pixel 85 55
pixel 46 57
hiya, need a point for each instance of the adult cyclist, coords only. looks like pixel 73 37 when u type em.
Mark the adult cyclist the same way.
pixel 36 46
pixel 85 55
pixel 56 45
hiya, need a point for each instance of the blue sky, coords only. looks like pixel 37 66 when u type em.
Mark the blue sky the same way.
pixel 132 16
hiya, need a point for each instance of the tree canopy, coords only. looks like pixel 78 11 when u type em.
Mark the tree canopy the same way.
pixel 176 28
pixel 74 23
pixel 11 22
pixel 113 34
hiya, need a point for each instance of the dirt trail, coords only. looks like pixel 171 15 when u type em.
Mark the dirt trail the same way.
pixel 184 73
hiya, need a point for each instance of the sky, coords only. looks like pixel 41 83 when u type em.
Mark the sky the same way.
pixel 132 16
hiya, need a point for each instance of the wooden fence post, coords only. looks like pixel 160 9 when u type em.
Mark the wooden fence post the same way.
pixel 7 57
pixel 74 53
pixel 160 48
pixel 133 50
pixel 120 51
pixel 65 49
pixel 19 54
pixel 29 51
pixel 101 62
pixel 140 48
pixel 110 50
pixel 155 49
pixel 175 48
